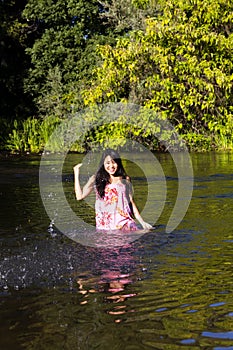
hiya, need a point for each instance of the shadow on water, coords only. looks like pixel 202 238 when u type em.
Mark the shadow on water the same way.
pixel 161 291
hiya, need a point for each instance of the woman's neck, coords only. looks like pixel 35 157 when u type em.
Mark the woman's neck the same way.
pixel 114 179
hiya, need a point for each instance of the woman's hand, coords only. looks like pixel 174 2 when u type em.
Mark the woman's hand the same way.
pixel 146 226
pixel 77 167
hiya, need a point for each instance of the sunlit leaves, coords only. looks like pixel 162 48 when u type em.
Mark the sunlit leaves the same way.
pixel 181 66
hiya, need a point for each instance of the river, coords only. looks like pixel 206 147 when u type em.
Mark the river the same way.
pixel 161 291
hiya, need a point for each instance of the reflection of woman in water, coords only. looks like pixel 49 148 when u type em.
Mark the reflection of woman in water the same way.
pixel 112 275
pixel 114 204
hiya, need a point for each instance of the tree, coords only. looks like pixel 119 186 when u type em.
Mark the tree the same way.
pixel 127 15
pixel 67 32
pixel 180 66
pixel 13 61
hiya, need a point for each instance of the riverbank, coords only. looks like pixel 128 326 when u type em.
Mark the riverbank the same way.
pixel 32 136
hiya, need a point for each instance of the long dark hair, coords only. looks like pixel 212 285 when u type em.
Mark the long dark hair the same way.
pixel 102 177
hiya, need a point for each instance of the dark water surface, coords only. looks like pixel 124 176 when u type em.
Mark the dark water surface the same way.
pixel 162 291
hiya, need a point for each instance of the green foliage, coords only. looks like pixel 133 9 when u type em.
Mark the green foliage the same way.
pixel 55 101
pixel 181 67
pixel 128 125
pixel 5 128
pixel 127 15
pixel 13 61
pixel 223 142
pixel 198 142
pixel 30 135
pixel 172 57
pixel 67 33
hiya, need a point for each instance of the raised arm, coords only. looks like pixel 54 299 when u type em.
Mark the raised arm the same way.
pixel 87 188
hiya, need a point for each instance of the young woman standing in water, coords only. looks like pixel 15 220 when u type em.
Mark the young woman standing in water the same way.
pixel 114 204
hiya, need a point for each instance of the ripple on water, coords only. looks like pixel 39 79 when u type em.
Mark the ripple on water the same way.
pixel 160 292
pixel 218 335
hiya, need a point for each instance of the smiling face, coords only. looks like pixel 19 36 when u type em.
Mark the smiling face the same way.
pixel 110 165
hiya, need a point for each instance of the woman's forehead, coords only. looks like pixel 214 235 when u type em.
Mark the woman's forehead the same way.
pixel 108 159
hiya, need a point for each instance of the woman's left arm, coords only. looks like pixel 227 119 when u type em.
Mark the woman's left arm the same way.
pixel 137 215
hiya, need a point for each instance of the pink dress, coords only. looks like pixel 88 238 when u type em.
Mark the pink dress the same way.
pixel 113 210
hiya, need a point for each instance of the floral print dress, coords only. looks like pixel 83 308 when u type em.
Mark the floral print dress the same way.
pixel 113 211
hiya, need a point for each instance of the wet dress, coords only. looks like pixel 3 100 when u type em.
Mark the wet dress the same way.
pixel 113 211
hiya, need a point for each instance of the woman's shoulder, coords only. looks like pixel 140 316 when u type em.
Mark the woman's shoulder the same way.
pixel 125 180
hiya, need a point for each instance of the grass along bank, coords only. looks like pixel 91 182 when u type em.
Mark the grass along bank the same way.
pixel 32 134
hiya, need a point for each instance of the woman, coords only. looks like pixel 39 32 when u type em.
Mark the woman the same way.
pixel 114 204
